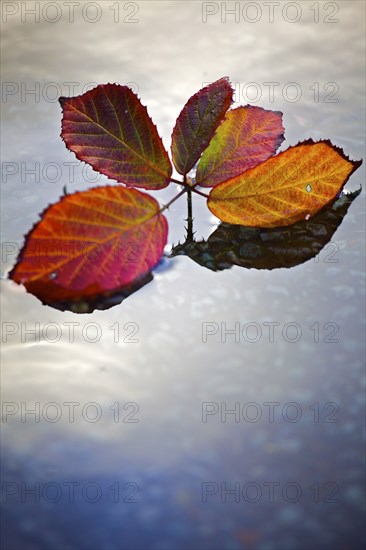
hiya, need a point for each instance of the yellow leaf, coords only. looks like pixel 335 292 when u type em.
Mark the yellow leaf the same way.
pixel 292 186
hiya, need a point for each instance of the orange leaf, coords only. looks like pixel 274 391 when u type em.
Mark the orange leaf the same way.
pixel 90 243
pixel 292 186
pixel 111 130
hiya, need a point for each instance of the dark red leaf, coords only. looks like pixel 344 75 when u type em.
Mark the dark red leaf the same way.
pixel 197 123
pixel 111 130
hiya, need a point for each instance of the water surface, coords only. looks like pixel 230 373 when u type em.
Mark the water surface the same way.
pixel 170 455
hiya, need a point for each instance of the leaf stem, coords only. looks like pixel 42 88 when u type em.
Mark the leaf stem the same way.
pixel 168 204
pixel 189 227
pixel 193 188
pixel 186 189
pixel 177 181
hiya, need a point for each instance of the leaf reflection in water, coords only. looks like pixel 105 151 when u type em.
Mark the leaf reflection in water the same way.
pixel 271 248
pixel 237 245
pixel 102 301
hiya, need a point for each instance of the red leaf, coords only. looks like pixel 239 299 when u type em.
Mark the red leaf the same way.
pixel 111 130
pixel 197 123
pixel 248 136
pixel 90 243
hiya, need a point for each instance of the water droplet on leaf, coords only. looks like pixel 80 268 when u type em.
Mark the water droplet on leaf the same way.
pixel 309 188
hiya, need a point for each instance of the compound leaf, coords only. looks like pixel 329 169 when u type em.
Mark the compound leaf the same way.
pixel 197 123
pixel 291 186
pixel 248 136
pixel 111 130
pixel 90 243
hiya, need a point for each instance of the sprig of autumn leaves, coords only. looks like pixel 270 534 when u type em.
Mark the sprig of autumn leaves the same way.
pixel 109 237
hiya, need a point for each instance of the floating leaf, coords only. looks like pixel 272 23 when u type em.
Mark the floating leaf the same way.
pixel 197 123
pixel 94 249
pixel 90 243
pixel 111 130
pixel 287 188
pixel 248 136
pixel 269 248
